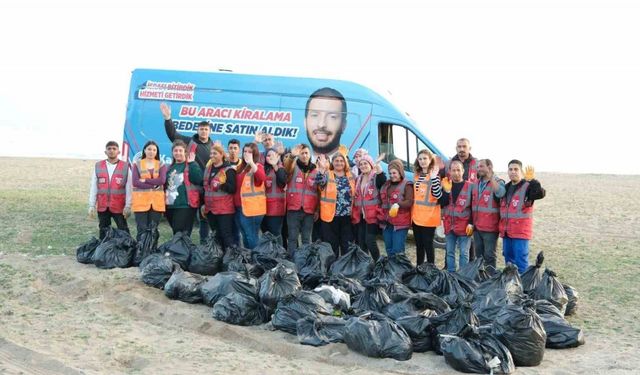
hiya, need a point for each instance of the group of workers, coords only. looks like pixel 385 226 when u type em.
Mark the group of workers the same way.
pixel 239 192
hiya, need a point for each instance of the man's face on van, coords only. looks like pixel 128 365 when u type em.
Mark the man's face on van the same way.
pixel 324 124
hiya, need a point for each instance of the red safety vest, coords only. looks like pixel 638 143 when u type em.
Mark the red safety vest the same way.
pixel 485 210
pixel 329 197
pixel 369 202
pixel 456 214
pixel 403 219
pixel 112 194
pixel 217 202
pixel 473 171
pixel 193 191
pixel 302 192
pixel 276 199
pixel 516 217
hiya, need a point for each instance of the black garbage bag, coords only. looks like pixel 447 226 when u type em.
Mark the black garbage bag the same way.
pixel 391 268
pixel 178 248
pixel 449 288
pixel 374 297
pixel 418 328
pixel 551 289
pixel 572 295
pixel 266 263
pixel 487 304
pixel 335 297
pixel 313 262
pixel 268 245
pixel 113 233
pixel 545 308
pixel 521 330
pixel 184 286
pixel 276 284
pixel 471 352
pixel 426 304
pixel 320 330
pixel 238 259
pixel 375 335
pixel 296 306
pixel 560 333
pixel 352 286
pixel 452 322
pixel 420 278
pixel 84 252
pixel 508 279
pixel 117 251
pixel 240 309
pixel 206 259
pixel 355 264
pixel 474 271
pixel 398 292
pixel 147 243
pixel 156 270
pixel 533 274
pixel 224 283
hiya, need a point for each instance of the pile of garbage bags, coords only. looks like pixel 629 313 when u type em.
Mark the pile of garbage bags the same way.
pixel 481 322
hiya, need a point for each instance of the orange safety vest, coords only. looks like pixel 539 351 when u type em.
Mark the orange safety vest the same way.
pixel 143 200
pixel 329 196
pixel 112 194
pixel 252 197
pixel 426 210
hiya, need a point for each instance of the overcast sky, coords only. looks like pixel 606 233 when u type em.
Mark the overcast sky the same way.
pixel 553 83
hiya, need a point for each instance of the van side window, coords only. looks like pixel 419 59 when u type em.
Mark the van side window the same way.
pixel 398 142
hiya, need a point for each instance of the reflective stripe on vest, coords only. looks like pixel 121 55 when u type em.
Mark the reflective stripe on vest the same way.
pixel 514 221
pixel 329 196
pixel 276 196
pixel 426 210
pixel 143 200
pixel 111 192
pixel 365 205
pixel 193 191
pixel 217 202
pixel 456 214
pixel 403 219
pixel 252 197
pixel 305 197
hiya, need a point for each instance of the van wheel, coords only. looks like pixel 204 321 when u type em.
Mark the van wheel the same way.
pixel 439 242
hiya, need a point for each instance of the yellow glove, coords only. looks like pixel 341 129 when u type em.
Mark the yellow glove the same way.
pixel 447 184
pixel 393 211
pixel 223 177
pixel 529 173
pixel 469 230
pixel 126 212
pixel 92 212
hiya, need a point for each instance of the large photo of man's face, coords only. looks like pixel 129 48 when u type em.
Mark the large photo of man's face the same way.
pixel 325 118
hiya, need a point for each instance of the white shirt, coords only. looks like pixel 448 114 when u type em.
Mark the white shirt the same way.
pixel 93 188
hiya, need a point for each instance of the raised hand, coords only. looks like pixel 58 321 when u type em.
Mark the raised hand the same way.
pixel 279 146
pixel 323 163
pixel 529 173
pixel 166 111
pixel 259 136
pixel 446 185
pixel 296 150
pixel 191 157
pixel 380 158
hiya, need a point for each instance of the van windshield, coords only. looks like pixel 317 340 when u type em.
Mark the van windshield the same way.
pixel 398 142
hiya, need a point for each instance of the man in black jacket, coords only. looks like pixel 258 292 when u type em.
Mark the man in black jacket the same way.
pixel 199 144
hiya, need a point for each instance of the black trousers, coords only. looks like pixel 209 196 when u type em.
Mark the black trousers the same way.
pixel 144 220
pixel 223 226
pixel 181 219
pixel 366 238
pixel 338 233
pixel 424 243
pixel 104 222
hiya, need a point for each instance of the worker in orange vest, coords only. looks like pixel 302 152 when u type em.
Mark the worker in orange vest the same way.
pixel 149 176
pixel 110 191
pixel 337 187
pixel 250 197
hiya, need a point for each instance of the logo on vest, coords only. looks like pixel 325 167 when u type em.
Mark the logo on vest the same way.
pixel 102 180
pixel 268 183
pixel 394 196
pixel 298 180
pixel 472 176
pixel 119 180
pixel 370 191
pixel 486 198
pixel 515 202
pixel 462 202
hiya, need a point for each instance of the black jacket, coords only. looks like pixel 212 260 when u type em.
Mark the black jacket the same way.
pixel 534 192
pixel 203 150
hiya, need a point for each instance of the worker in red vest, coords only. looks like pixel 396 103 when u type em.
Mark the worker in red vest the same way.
pixel 516 214
pixel 110 191
pixel 302 196
pixel 485 210
pixel 336 202
pixel 275 185
pixel 182 193
pixel 366 203
pixel 396 196
pixel 219 190
pixel 457 219
pixel 250 197
pixel 149 176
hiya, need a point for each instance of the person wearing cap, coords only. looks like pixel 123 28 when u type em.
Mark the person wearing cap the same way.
pixel 336 202
pixel 149 175
pixel 427 200
pixel 457 219
pixel 516 214
pixel 396 197
pixel 199 145
pixel 250 198
pixel 110 191
pixel 366 203
pixel 354 164
pixel 219 190
pixel 275 185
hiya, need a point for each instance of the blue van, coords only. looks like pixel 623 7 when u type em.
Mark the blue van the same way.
pixel 240 105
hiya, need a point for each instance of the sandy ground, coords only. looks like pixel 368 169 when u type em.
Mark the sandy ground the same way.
pixel 61 317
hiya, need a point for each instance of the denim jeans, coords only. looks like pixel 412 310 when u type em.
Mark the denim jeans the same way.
pixel 461 242
pixel 298 223
pixel 516 251
pixel 249 228
pixel 394 240
pixel 486 243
